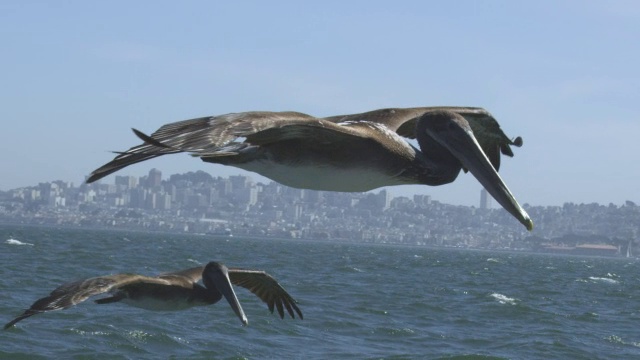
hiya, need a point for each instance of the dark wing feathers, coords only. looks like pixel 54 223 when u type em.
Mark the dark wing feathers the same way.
pixel 491 138
pixel 267 289
pixel 392 118
pixel 193 274
pixel 321 131
pixel 199 135
pixel 403 121
pixel 73 293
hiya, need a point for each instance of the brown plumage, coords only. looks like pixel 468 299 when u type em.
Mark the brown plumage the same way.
pixel 171 291
pixel 357 152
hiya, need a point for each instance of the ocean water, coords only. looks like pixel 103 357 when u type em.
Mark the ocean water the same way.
pixel 359 301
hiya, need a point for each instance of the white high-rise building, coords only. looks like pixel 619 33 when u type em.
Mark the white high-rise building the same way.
pixel 485 199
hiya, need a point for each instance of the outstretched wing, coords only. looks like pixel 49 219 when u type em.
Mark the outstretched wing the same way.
pixel 214 135
pixel 267 289
pixel 197 135
pixel 76 292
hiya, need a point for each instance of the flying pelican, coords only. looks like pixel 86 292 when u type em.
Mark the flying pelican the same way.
pixel 353 153
pixel 170 291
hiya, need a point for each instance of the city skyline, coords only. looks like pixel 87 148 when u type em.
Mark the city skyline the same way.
pixel 155 178
pixel 561 74
pixel 197 202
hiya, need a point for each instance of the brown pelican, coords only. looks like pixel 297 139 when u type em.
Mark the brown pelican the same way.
pixel 356 152
pixel 170 291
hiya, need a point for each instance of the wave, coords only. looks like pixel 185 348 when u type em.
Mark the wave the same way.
pixel 503 299
pixel 603 279
pixel 352 269
pixel 618 340
pixel 16 242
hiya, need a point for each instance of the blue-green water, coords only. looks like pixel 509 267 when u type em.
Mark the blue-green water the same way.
pixel 359 301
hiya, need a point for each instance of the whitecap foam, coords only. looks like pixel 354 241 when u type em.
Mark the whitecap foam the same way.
pixel 90 333
pixel 618 340
pixel 503 299
pixel 603 279
pixel 138 335
pixel 16 242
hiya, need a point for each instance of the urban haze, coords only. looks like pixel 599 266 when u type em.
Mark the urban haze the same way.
pixel 237 206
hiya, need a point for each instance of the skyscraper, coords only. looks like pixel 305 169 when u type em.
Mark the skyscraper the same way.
pixel 155 178
pixel 485 199
pixel 127 181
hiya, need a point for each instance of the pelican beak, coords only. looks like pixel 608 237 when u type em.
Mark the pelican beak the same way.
pixel 220 277
pixel 230 295
pixel 468 151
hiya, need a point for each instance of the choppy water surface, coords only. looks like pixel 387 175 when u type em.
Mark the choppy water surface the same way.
pixel 359 301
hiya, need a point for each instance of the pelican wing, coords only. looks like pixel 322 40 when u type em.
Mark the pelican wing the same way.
pixel 208 133
pixel 491 138
pixel 191 275
pixel 400 120
pixel 267 289
pixel 320 130
pixel 73 293
pixel 198 135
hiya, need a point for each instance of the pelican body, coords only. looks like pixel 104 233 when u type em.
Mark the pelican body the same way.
pixel 171 291
pixel 350 153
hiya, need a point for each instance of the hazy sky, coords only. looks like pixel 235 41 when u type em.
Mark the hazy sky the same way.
pixel 564 75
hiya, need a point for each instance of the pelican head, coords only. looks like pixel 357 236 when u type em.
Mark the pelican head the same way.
pixel 215 276
pixel 446 136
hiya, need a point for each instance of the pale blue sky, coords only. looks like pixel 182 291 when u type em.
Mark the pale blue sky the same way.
pixel 564 75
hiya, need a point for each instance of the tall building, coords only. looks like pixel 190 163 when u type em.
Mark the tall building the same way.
pixel 239 182
pixel 155 178
pixel 127 181
pixel 422 200
pixel 247 195
pixel 485 199
pixel 225 187
pixel 383 199
pixel 163 202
